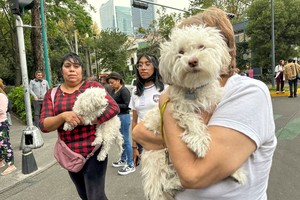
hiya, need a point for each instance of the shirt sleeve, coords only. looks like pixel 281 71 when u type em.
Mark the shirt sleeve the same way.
pixel 3 106
pixel 125 94
pixel 47 109
pixel 247 108
pixel 31 88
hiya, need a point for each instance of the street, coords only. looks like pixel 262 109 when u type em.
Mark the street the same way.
pixel 53 183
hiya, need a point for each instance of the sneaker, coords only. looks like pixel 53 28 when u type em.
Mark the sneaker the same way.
pixel 277 92
pixel 126 170
pixel 283 91
pixel 119 163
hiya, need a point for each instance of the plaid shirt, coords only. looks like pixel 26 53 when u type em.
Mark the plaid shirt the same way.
pixel 81 137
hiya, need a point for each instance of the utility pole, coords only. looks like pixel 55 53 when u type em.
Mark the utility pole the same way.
pixel 273 43
pixel 31 137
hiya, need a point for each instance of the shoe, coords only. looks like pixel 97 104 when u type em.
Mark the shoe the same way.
pixel 126 170
pixel 295 96
pixel 8 170
pixel 290 96
pixel 283 91
pixel 2 164
pixel 119 163
pixel 277 92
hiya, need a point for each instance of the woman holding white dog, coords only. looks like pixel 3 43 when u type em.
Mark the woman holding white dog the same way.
pixel 145 95
pixel 90 180
pixel 239 137
pixel 122 96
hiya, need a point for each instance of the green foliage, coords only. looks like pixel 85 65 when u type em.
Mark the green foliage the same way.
pixel 111 49
pixel 287 28
pixel 16 96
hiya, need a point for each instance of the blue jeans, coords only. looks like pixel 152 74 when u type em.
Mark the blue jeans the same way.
pixel 295 84
pixel 127 148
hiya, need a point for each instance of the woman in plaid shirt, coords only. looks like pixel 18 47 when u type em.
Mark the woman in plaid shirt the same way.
pixel 90 181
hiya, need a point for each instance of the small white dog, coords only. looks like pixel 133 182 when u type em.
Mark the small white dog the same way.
pixel 191 63
pixel 90 105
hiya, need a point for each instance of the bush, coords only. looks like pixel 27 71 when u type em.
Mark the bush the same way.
pixel 16 96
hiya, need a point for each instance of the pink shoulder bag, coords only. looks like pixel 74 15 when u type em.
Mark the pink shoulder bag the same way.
pixel 67 158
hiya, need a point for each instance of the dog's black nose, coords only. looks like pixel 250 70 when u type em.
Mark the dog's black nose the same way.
pixel 193 62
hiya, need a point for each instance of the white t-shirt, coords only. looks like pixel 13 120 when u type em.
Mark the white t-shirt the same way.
pixel 142 104
pixel 246 107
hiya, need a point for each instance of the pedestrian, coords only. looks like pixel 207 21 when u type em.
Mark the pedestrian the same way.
pixel 239 137
pixel 292 70
pixel 6 150
pixel 279 77
pixel 90 180
pixel 105 84
pixel 122 96
pixel 145 95
pixel 38 88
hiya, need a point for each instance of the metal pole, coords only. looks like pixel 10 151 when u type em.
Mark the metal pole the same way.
pixel 45 42
pixel 273 44
pixel 23 63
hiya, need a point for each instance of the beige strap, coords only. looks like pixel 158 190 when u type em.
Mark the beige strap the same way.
pixel 162 110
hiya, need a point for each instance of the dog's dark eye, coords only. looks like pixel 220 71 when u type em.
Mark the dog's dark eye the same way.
pixel 201 46
pixel 181 51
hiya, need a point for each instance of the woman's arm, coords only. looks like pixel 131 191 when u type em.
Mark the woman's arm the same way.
pixel 227 152
pixel 111 110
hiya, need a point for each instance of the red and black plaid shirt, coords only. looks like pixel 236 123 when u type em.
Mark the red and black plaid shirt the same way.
pixel 81 137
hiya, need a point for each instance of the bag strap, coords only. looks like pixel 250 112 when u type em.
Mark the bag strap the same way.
pixel 162 110
pixel 53 92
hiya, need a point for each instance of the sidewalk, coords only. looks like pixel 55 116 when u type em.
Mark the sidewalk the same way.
pixel 285 94
pixel 43 156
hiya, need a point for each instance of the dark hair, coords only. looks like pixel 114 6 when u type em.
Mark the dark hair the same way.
pixel 156 77
pixel 115 76
pixel 69 56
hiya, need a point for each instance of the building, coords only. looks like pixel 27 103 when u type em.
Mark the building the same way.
pixel 114 17
pixel 142 18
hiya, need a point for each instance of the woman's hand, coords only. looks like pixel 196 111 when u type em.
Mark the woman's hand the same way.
pixel 72 118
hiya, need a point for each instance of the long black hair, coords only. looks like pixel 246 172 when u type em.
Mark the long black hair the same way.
pixel 156 77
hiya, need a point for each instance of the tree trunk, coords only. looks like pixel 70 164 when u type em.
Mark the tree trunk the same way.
pixel 36 38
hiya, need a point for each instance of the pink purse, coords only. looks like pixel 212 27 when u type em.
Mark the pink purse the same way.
pixel 67 158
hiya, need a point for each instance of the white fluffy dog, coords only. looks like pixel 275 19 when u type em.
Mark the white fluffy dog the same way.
pixel 90 105
pixel 191 62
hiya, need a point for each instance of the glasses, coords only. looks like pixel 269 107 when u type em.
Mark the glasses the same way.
pixel 146 65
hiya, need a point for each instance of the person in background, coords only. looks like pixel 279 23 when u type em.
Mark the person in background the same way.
pixel 244 140
pixel 90 180
pixel 145 95
pixel 38 88
pixel 6 150
pixel 279 76
pixel 122 96
pixel 105 84
pixel 292 70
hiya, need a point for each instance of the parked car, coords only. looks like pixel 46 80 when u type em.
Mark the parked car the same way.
pixel 132 85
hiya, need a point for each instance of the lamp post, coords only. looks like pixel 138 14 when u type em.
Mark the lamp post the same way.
pixel 273 43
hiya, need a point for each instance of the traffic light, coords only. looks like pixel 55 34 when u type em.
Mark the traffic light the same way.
pixel 18 6
pixel 141 5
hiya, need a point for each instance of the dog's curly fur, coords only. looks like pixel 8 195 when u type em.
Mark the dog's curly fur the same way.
pixel 191 63
pixel 90 105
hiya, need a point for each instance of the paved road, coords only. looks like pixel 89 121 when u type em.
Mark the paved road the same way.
pixel 53 182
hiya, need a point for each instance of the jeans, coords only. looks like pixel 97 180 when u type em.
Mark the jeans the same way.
pixel 127 148
pixel 295 84
pixel 90 181
pixel 37 106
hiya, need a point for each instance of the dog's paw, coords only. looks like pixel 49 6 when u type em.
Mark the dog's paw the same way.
pixel 239 176
pixel 101 156
pixel 68 127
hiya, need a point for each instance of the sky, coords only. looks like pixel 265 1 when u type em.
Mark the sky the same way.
pixel 181 4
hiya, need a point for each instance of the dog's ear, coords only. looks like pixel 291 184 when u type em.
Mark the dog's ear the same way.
pixel 166 62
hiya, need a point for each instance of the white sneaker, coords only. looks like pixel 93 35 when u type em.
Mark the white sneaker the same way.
pixel 126 170
pixel 119 163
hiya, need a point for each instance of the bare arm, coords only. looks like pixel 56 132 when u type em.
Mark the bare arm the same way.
pixel 217 164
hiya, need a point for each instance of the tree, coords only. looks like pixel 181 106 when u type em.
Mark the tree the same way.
pixel 287 28
pixel 111 48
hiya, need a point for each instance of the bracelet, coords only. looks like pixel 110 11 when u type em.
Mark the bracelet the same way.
pixel 134 147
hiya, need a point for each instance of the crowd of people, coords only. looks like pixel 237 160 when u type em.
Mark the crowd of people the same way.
pixel 249 144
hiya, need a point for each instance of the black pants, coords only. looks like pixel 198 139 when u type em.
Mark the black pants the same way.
pixel 90 181
pixel 279 82
pixel 293 91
